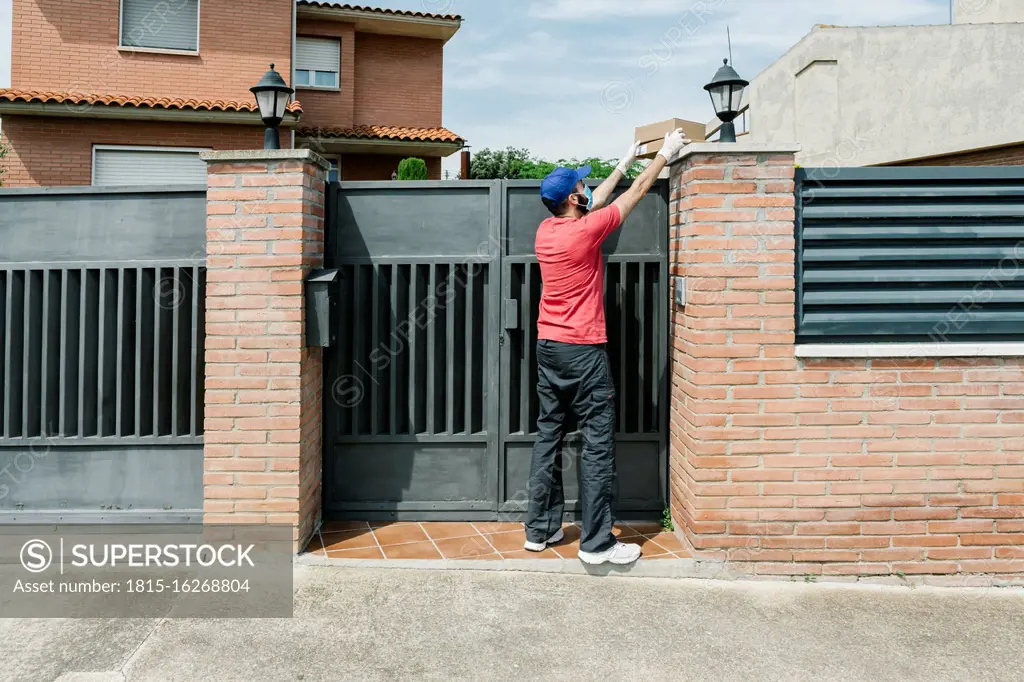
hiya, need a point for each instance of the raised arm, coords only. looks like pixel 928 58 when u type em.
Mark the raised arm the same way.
pixel 604 191
pixel 628 200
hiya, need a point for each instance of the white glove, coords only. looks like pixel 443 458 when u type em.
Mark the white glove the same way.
pixel 674 142
pixel 629 159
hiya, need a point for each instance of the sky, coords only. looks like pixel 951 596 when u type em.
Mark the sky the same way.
pixel 573 78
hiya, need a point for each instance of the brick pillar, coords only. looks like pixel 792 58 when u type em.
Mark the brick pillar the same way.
pixel 732 241
pixel 264 232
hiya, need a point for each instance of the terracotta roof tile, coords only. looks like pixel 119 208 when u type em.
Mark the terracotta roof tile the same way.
pixel 12 95
pixel 385 133
pixel 379 10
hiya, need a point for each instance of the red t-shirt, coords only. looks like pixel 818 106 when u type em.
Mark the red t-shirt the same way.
pixel 572 269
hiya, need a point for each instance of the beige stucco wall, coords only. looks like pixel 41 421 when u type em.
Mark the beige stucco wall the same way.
pixel 865 96
pixel 987 11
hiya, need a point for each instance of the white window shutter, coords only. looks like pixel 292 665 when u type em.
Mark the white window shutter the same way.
pixel 148 167
pixel 160 24
pixel 318 54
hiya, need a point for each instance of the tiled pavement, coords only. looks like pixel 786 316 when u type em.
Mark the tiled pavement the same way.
pixel 464 540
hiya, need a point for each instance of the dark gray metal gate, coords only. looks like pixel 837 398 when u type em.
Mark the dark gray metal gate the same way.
pixel 432 410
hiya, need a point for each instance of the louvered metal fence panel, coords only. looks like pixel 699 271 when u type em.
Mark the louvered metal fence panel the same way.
pixel 412 331
pixel 910 254
pixel 101 353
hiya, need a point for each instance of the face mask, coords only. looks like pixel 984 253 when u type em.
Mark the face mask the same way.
pixel 585 207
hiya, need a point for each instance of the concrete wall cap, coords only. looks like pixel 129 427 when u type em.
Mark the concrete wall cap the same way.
pixel 737 148
pixel 250 155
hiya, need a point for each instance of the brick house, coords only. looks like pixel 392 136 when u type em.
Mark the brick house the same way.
pixel 130 91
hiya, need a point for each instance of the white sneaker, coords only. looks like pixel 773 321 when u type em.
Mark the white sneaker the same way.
pixel 619 553
pixel 541 546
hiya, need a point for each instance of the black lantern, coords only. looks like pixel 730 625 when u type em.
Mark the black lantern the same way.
pixel 726 90
pixel 272 97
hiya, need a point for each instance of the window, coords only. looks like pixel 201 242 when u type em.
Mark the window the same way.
pixel 317 63
pixel 117 165
pixel 334 174
pixel 159 24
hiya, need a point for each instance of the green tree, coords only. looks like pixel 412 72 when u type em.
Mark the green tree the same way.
pixel 412 169
pixel 493 164
pixel 519 164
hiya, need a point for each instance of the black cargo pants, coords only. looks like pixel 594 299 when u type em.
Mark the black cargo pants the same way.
pixel 577 377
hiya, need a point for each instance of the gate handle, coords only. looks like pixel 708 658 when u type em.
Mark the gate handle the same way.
pixel 511 313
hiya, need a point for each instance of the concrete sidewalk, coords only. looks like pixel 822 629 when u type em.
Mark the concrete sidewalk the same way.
pixel 388 624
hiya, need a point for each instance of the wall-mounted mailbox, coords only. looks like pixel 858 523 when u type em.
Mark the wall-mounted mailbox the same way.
pixel 680 291
pixel 321 308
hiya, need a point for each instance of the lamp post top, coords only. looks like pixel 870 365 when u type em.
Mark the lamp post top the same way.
pixel 726 75
pixel 271 80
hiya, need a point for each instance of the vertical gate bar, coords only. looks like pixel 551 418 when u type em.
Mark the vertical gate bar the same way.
pixel 449 315
pixel 661 385
pixel 82 317
pixel 118 390
pixel 524 367
pixel 156 351
pixel 26 355
pixel 641 314
pixel 44 365
pixel 393 365
pixel 138 351
pixel 495 382
pixel 374 346
pixel 195 350
pixel 62 401
pixel 9 331
pixel 357 341
pixel 431 311
pixel 413 348
pixel 175 331
pixel 100 350
pixel 468 399
pixel 623 298
pixel 660 346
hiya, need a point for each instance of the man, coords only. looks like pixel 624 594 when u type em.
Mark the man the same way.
pixel 572 363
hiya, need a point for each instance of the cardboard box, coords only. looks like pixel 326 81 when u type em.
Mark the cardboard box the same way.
pixel 652 135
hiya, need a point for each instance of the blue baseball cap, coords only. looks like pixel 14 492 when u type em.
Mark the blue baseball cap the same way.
pixel 561 182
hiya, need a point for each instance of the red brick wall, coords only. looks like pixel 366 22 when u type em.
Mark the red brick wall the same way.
pixel 73 46
pixel 1010 155
pixel 398 80
pixel 48 151
pixel 793 466
pixel 380 166
pixel 325 109
pixel 262 450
